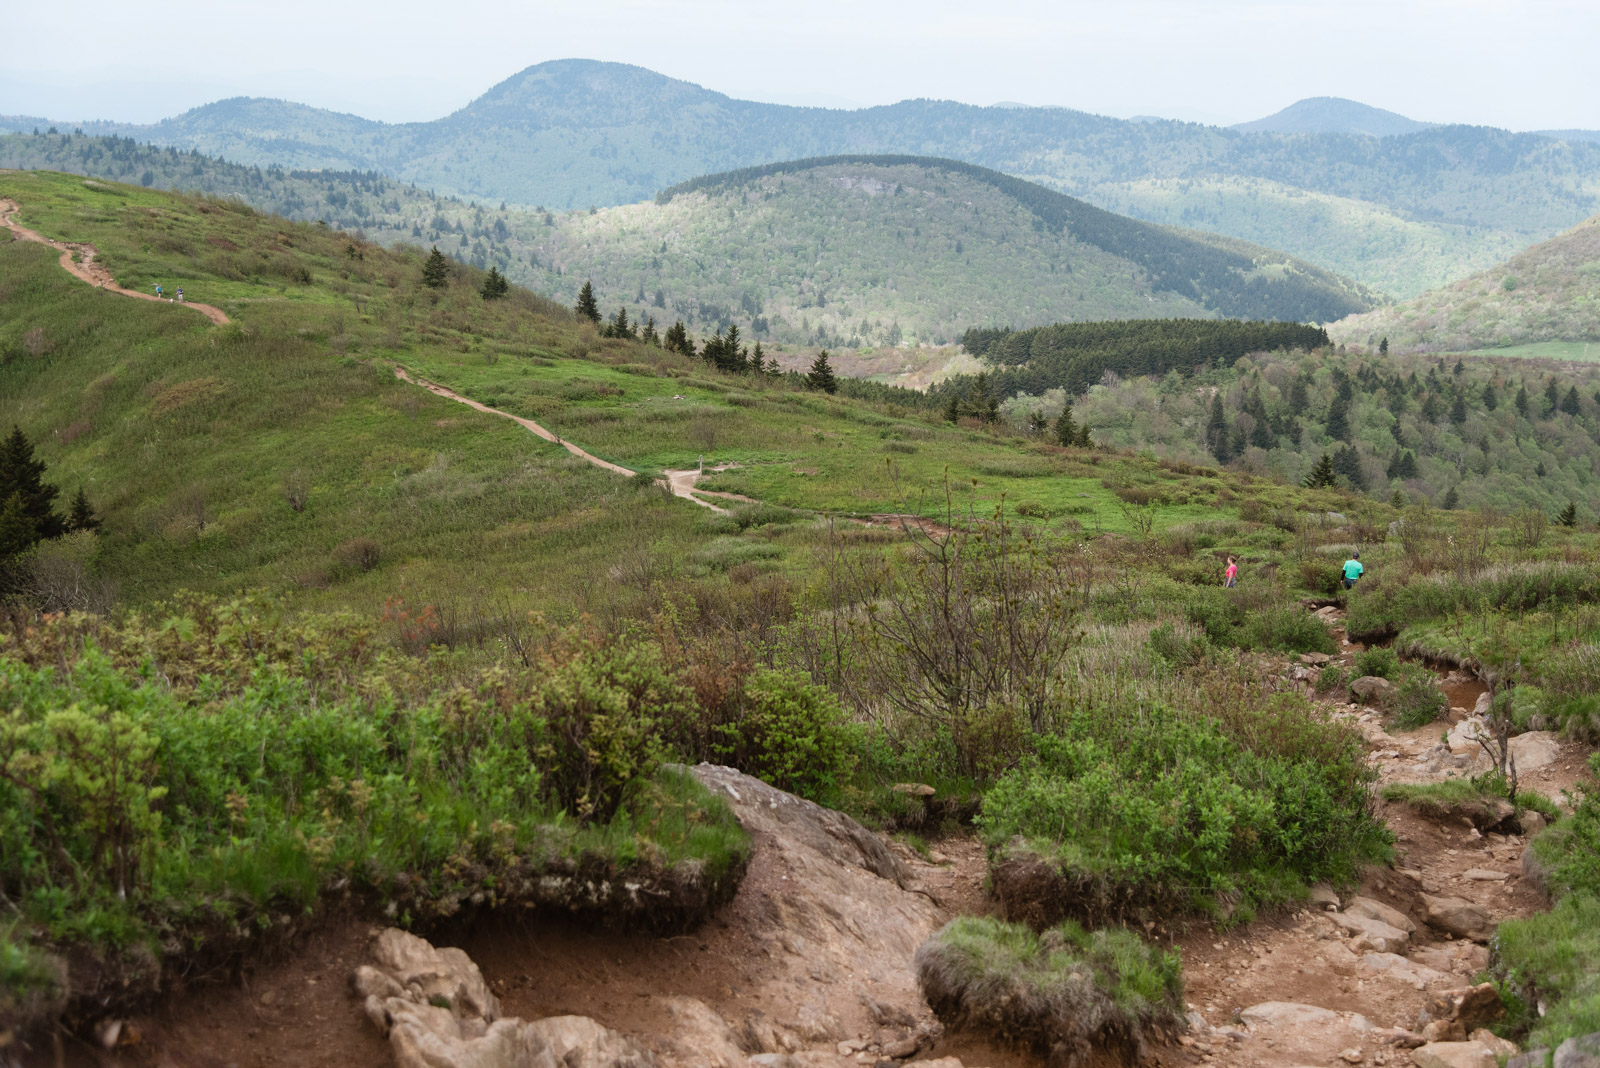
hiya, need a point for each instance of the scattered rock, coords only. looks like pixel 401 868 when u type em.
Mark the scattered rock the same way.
pixel 1372 688
pixel 1532 822
pixel 1484 703
pixel 1352 1056
pixel 1493 1043
pixel 1377 910
pixel 1323 897
pixel 1375 933
pixel 1581 1052
pixel 1417 975
pixel 1484 875
pixel 1453 1055
pixel 436 1011
pixel 1535 749
pixel 1534 1058
pixel 913 789
pixel 1398 1036
pixel 1315 659
pixel 1458 917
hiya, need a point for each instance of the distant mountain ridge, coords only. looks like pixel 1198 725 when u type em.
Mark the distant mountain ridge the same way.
pixel 1334 115
pixel 1401 213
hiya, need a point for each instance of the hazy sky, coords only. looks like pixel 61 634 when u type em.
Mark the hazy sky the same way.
pixel 1527 64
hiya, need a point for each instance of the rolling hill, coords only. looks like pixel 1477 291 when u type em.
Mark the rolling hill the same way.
pixel 1334 115
pixel 1546 294
pixel 1401 214
pixel 968 247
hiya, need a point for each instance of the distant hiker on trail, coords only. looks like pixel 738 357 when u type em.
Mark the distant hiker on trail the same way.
pixel 1230 577
pixel 1352 571
pixel 158 290
pixel 180 294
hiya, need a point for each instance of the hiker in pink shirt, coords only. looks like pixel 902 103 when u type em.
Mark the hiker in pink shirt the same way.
pixel 1230 577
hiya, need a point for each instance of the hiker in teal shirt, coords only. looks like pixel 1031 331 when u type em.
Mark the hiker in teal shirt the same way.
pixel 1352 570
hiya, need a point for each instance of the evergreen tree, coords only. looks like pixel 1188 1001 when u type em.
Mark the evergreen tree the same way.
pixel 952 411
pixel 1322 474
pixel 1084 440
pixel 1451 499
pixel 1539 469
pixel 1038 422
pixel 1347 462
pixel 1299 398
pixel 619 325
pixel 495 285
pixel 1522 400
pixel 1066 428
pixel 1397 499
pixel 1404 465
pixel 1491 400
pixel 1217 437
pixel 1552 398
pixel 1383 346
pixel 436 271
pixel 649 336
pixel 1569 403
pixel 1237 441
pixel 735 357
pixel 1569 515
pixel 1432 408
pixel 677 339
pixel 80 516
pixel 1458 409
pixel 586 306
pixel 1338 425
pixel 18 533
pixel 820 377
pixel 1458 369
pixel 23 475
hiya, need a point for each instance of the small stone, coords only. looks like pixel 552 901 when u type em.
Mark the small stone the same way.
pixel 1484 875
pixel 1581 1052
pixel 1352 1056
pixel 1458 917
pixel 1453 1055
pixel 269 998
pixel 1532 822
pixel 1493 1043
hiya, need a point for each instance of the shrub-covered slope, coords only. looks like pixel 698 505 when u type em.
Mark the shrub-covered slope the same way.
pixel 1547 293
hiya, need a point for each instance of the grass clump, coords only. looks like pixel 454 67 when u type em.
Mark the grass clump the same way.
pixel 1417 700
pixel 1469 798
pixel 1067 993
pixel 1552 960
pixel 1128 809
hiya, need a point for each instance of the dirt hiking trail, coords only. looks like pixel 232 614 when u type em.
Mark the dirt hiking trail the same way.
pixel 78 260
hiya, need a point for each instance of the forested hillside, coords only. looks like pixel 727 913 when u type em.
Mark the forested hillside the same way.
pixel 1545 294
pixel 804 259
pixel 1401 214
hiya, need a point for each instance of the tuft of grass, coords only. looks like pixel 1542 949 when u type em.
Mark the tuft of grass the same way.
pixel 1466 797
pixel 1069 993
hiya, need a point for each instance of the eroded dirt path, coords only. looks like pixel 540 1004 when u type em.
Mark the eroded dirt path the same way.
pixel 78 260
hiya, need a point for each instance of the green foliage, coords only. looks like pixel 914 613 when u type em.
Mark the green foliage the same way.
pixel 1417 699
pixel 264 762
pixel 1140 806
pixel 495 285
pixel 587 307
pixel 820 376
pixel 1064 988
pixel 792 734
pixel 1379 661
pixel 1257 619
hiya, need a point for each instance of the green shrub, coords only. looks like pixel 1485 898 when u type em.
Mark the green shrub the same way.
pixel 1332 677
pixel 1067 993
pixel 1257 619
pixel 1417 699
pixel 1379 661
pixel 1320 576
pixel 1136 807
pixel 724 553
pixel 1287 629
pixel 1177 649
pixel 792 734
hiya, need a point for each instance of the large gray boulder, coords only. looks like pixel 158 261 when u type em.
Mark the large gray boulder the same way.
pixel 1581 1052
pixel 1372 688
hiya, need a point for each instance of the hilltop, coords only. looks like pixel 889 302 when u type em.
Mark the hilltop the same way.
pixel 1400 214
pixel 1334 115
pixel 867 250
pixel 818 259
pixel 1545 294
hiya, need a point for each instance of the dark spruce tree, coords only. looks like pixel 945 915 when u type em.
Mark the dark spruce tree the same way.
pixel 1066 428
pixel 22 476
pixel 495 285
pixel 1322 475
pixel 1347 462
pixel 80 516
pixel 1552 398
pixel 820 377
pixel 1458 409
pixel 1522 400
pixel 586 307
pixel 1404 465
pixel 1450 500
pixel 677 339
pixel 1569 515
pixel 1569 403
pixel 1383 346
pixel 436 270
pixel 1217 437
pixel 1338 425
pixel 649 335
pixel 1491 399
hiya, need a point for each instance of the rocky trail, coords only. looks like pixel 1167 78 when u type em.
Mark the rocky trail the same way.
pixel 78 260
pixel 811 964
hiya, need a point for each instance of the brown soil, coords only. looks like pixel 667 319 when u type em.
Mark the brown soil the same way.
pixel 78 260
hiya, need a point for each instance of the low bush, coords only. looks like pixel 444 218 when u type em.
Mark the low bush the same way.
pixel 1179 648
pixel 1332 677
pixel 727 552
pixel 1287 629
pixel 1380 661
pixel 1417 700
pixel 172 783
pixel 1469 799
pixel 1320 576
pixel 792 734
pixel 1550 962
pixel 1076 996
pixel 1128 808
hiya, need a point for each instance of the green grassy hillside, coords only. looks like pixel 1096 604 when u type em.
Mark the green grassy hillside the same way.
pixel 572 134
pixel 1545 294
